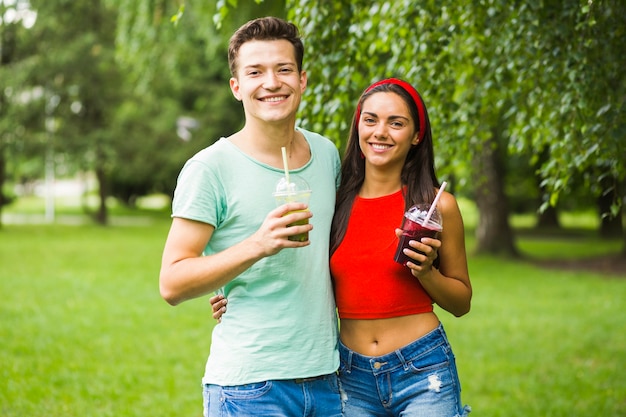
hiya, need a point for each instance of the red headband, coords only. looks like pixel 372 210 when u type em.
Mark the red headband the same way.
pixel 413 93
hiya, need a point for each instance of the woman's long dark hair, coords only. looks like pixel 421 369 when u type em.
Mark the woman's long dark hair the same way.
pixel 418 173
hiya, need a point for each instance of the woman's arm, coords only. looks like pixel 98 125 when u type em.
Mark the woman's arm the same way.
pixel 449 286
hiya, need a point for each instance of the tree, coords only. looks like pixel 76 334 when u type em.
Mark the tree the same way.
pixel 15 19
pixel 502 81
pixel 180 72
pixel 442 49
pixel 105 113
pixel 574 101
pixel 82 81
pixel 500 78
pixel 7 53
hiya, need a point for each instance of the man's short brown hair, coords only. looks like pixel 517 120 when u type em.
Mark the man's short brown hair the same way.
pixel 264 29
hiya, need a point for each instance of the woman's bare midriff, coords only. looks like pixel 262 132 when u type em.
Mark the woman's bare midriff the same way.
pixel 381 336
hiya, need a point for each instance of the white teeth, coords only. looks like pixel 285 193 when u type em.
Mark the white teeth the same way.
pixel 380 147
pixel 273 99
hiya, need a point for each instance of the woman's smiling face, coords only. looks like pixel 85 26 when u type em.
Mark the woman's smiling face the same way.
pixel 386 130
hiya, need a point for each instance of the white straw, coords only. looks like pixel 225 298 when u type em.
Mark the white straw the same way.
pixel 284 151
pixel 434 204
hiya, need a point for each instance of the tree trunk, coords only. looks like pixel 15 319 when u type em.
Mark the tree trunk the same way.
pixel 493 233
pixel 3 199
pixel 8 42
pixel 623 234
pixel 102 214
pixel 610 226
pixel 548 219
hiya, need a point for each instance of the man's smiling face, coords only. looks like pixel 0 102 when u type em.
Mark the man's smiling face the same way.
pixel 268 82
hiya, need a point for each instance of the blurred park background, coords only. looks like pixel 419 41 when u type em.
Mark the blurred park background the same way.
pixel 102 101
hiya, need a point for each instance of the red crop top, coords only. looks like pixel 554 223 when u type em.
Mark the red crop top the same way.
pixel 368 283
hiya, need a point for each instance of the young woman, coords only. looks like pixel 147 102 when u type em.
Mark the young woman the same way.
pixel 395 357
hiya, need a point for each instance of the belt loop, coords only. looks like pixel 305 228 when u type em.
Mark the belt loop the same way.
pixel 400 356
pixel 349 360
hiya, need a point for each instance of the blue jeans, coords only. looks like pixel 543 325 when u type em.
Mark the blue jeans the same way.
pixel 417 380
pixel 309 397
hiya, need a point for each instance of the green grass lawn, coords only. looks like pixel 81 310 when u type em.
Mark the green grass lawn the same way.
pixel 541 343
pixel 84 332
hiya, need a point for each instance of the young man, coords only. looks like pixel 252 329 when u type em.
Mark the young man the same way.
pixel 275 353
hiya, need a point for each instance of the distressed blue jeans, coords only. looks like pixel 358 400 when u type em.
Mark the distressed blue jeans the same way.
pixel 308 397
pixel 417 380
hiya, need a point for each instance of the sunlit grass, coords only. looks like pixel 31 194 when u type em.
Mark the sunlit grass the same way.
pixel 85 333
pixel 580 220
pixel 81 210
pixel 541 342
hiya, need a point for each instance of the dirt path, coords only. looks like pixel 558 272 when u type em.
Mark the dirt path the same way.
pixel 613 265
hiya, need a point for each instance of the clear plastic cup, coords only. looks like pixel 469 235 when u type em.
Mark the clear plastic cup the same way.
pixel 414 229
pixel 296 190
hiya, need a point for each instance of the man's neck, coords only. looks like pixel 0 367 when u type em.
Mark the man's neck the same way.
pixel 264 143
pixel 269 135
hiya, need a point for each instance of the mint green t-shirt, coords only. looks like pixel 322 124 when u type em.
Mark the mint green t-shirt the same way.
pixel 281 321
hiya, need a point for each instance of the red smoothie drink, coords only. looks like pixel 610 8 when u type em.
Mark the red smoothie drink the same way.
pixel 413 229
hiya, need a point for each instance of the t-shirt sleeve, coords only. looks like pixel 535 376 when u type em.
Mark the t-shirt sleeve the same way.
pixel 330 153
pixel 337 167
pixel 197 195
